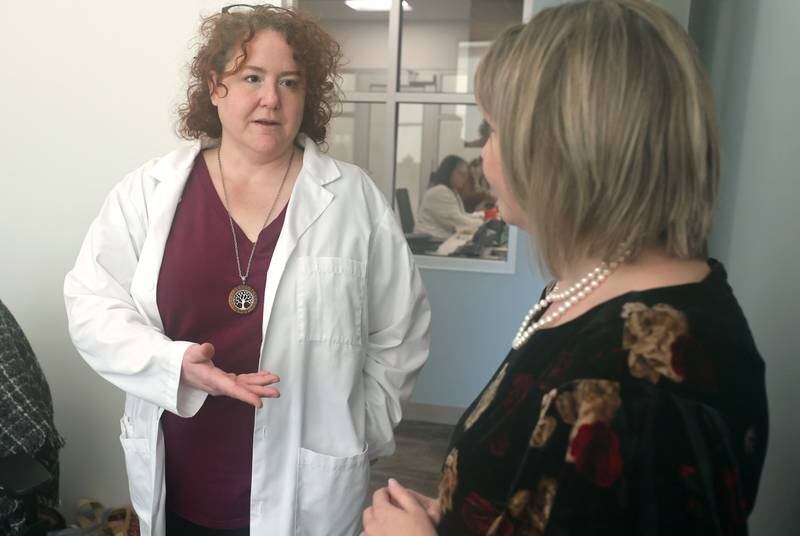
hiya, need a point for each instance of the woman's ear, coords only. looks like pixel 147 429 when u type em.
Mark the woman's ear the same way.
pixel 212 87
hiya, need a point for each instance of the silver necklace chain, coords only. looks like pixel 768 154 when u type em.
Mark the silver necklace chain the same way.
pixel 244 276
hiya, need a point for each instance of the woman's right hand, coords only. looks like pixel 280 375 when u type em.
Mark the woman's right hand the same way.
pixel 199 371
pixel 429 504
pixel 396 510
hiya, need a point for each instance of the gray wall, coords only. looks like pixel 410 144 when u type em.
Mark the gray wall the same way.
pixel 475 316
pixel 751 48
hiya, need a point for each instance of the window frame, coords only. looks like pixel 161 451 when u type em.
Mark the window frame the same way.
pixel 393 97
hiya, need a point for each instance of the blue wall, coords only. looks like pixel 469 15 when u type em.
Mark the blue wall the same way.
pixel 751 49
pixel 475 316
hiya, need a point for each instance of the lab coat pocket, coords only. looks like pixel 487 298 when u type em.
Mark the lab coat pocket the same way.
pixel 137 463
pixel 330 493
pixel 330 296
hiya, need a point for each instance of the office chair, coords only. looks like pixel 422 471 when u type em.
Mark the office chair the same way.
pixel 418 242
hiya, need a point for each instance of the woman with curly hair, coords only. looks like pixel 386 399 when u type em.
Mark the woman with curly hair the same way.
pixel 251 251
pixel 632 400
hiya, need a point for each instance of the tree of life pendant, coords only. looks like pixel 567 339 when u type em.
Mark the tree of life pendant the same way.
pixel 242 299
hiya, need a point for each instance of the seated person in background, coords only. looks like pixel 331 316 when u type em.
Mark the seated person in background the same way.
pixel 442 211
pixel 26 418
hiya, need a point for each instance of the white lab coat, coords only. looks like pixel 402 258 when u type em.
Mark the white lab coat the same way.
pixel 346 325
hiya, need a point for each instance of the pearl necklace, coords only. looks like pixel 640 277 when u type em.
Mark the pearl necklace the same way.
pixel 569 297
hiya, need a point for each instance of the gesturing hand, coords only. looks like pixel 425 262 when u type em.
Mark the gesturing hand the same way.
pixel 198 370
pixel 397 511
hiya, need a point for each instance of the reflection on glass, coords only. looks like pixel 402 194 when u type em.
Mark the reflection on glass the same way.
pixel 445 206
pixel 443 40
pixel 363 37
pixel 357 135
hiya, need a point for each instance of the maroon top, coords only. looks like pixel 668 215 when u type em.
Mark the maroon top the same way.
pixel 209 456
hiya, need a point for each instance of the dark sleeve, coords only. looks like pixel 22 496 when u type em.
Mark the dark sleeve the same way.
pixel 20 364
pixel 26 407
pixel 606 458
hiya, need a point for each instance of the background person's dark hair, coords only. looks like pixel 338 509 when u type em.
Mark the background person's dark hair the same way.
pixel 484 130
pixel 445 170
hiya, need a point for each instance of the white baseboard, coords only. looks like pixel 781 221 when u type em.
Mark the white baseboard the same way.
pixel 417 411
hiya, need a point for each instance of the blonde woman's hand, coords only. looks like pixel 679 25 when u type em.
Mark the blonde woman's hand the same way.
pixel 199 371
pixel 397 511
pixel 429 504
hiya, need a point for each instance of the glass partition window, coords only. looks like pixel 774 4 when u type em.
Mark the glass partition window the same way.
pixel 410 120
pixel 443 40
pixel 362 36
pixel 445 205
pixel 356 135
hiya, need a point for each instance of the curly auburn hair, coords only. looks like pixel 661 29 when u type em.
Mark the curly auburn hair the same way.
pixel 223 34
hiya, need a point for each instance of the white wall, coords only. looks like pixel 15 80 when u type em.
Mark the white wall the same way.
pixel 88 92
pixel 751 49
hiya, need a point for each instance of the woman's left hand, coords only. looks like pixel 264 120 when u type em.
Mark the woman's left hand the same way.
pixel 395 510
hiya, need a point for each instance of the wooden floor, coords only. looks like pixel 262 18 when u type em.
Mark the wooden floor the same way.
pixel 417 463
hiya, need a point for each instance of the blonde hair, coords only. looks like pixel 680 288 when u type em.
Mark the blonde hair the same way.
pixel 607 130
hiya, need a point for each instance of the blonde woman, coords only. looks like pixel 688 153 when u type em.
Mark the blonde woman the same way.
pixel 633 399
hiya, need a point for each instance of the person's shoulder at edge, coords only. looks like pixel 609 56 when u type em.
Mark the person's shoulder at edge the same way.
pixel 707 308
pixel 710 301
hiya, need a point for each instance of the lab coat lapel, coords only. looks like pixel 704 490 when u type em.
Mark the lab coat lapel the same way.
pixel 172 173
pixel 309 200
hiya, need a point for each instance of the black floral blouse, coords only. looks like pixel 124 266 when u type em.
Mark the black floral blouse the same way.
pixel 646 415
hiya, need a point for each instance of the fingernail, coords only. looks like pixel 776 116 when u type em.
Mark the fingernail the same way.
pixel 393 482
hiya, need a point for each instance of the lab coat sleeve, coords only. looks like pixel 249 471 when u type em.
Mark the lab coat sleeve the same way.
pixel 106 327
pixel 399 317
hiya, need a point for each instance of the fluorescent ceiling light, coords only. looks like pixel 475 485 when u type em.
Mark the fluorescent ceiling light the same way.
pixel 374 5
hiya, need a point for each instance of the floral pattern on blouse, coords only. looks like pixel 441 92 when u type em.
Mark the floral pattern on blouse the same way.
pixel 593 443
pixel 486 399
pixel 650 334
pixel 448 482
pixel 646 415
pixel 527 512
